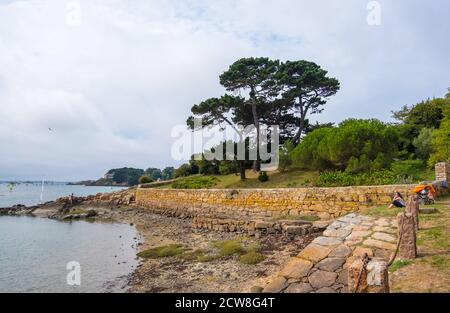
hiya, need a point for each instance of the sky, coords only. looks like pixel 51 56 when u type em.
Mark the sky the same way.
pixel 90 85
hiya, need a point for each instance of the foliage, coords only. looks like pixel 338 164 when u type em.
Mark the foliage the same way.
pixel 285 160
pixel 195 182
pixel 154 173
pixel 229 247
pixel 399 264
pixel 263 177
pixel 423 143
pixel 162 251
pixel 408 171
pixel 167 173
pixel 337 178
pixel 355 145
pixel 183 171
pixel 145 180
pixel 126 175
pixel 441 139
pixel 252 257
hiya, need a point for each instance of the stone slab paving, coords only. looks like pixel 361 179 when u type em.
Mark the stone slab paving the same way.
pixel 321 267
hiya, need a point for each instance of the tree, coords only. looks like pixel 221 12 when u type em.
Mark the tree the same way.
pixel 154 173
pixel 306 86
pixel 423 143
pixel 355 145
pixel 441 139
pixel 183 171
pixel 167 173
pixel 145 180
pixel 256 77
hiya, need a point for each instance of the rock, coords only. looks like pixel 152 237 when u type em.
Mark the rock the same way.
pixel 256 289
pixel 379 244
pixel 341 251
pixel 330 264
pixel 343 277
pixel 321 224
pixel 327 241
pixel 296 268
pixel 276 286
pixel 360 251
pixel 262 225
pixel 299 288
pixel 374 279
pixel 428 210
pixel 320 279
pixel 296 230
pixel 382 222
pixel 314 253
pixel 358 234
pixel 384 229
pixel 384 237
pixel 341 233
pixel 325 290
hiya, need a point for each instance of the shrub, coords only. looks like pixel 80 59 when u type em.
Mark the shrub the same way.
pixel 263 177
pixel 229 247
pixel 183 171
pixel 195 182
pixel 408 171
pixel 356 145
pixel 162 252
pixel 337 178
pixel 285 159
pixel 145 180
pixel 252 257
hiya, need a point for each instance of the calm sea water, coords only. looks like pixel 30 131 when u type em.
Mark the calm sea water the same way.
pixel 34 252
pixel 29 194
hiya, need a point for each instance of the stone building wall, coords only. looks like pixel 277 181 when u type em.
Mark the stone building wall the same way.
pixel 251 204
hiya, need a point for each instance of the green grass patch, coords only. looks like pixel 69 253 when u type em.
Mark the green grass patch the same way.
pixel 252 257
pixel 162 252
pixel 195 182
pixel 399 264
pixel 229 247
pixel 435 237
pixel 440 261
pixel 382 211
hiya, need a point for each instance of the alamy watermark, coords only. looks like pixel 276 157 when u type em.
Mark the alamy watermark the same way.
pixel 73 278
pixel 229 143
pixel 73 13
pixel 374 15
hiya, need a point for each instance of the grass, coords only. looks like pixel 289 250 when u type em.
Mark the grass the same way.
pixel 252 257
pixel 229 247
pixel 399 264
pixel 162 252
pixel 382 211
pixel 195 182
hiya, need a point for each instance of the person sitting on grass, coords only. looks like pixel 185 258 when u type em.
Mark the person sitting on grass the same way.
pixel 397 201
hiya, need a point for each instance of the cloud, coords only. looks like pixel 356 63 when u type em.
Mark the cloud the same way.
pixel 113 87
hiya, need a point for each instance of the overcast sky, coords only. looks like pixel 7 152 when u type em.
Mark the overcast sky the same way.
pixel 112 87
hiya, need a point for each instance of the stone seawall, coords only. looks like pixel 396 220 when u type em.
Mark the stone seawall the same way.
pixel 250 204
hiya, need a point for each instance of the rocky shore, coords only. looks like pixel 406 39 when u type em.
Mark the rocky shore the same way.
pixel 179 273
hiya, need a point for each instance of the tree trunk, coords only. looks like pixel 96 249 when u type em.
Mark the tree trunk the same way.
pixel 257 162
pixel 242 170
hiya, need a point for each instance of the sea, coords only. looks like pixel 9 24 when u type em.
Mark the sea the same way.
pixel 40 255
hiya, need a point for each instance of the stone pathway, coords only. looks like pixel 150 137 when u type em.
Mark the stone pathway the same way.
pixel 322 266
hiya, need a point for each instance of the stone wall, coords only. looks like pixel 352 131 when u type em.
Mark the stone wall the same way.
pixel 442 171
pixel 251 204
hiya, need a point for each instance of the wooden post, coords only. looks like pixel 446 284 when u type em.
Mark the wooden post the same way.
pixel 368 277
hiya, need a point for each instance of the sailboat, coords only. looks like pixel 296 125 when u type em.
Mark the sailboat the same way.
pixel 42 192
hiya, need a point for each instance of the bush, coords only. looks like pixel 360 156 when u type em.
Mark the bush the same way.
pixel 252 257
pixel 355 145
pixel 285 160
pixel 145 180
pixel 162 252
pixel 408 171
pixel 337 178
pixel 195 182
pixel 229 247
pixel 263 177
pixel 183 171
